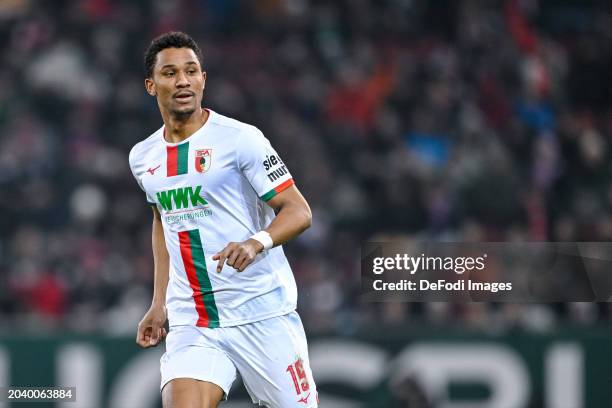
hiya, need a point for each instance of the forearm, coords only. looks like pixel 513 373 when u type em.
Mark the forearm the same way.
pixel 291 220
pixel 161 261
pixel 293 216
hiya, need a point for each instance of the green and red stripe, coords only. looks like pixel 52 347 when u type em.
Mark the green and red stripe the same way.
pixel 192 253
pixel 176 159
pixel 277 189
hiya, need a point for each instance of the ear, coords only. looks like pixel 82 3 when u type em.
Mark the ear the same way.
pixel 150 87
pixel 203 79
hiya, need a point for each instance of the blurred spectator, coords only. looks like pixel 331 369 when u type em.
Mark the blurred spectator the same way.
pixel 469 119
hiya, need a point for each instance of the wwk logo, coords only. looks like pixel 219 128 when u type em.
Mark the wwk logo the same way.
pixel 178 198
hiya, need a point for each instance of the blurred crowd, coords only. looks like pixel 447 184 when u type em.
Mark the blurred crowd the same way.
pixel 471 120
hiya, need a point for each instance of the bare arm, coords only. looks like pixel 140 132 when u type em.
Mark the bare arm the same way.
pixel 161 261
pixel 151 329
pixel 293 217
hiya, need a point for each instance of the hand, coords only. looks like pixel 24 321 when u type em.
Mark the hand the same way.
pixel 151 329
pixel 239 255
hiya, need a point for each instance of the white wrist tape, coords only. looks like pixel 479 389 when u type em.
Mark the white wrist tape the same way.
pixel 264 238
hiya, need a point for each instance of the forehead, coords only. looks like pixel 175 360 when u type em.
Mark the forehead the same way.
pixel 175 56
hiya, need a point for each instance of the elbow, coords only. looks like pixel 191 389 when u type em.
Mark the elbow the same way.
pixel 307 219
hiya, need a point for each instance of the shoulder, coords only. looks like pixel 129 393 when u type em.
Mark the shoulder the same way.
pixel 138 151
pixel 234 128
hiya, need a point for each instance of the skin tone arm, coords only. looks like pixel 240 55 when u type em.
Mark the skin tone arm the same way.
pixel 293 217
pixel 151 329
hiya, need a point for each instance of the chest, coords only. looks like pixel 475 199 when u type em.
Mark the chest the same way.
pixel 188 170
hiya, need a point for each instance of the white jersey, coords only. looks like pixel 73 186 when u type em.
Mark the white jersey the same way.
pixel 211 189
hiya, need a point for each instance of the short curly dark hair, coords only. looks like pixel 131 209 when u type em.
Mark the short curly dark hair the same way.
pixel 172 39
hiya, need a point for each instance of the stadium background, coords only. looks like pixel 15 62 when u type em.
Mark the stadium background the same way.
pixel 458 120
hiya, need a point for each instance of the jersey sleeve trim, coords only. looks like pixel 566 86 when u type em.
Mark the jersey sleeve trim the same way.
pixel 283 186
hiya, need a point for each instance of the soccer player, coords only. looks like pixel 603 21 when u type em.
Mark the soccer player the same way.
pixel 221 277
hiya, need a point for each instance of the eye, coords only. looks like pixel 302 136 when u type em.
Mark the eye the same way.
pixel 168 73
pixel 191 71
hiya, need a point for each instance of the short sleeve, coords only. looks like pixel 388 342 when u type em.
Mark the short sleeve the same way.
pixel 132 159
pixel 261 165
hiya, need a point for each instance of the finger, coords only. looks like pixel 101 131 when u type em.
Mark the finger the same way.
pixel 140 333
pixel 222 257
pixel 147 341
pixel 233 257
pixel 164 333
pixel 158 339
pixel 225 251
pixel 155 331
pixel 245 262
pixel 241 263
pixel 142 338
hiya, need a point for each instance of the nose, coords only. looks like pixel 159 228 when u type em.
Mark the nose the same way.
pixel 181 80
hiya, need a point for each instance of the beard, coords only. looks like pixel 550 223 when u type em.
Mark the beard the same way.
pixel 184 112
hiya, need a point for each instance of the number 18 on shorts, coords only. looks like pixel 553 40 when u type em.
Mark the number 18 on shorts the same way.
pixel 271 356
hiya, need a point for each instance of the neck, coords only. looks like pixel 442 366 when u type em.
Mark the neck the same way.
pixel 180 127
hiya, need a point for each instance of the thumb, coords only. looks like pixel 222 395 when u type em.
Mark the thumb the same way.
pixel 154 334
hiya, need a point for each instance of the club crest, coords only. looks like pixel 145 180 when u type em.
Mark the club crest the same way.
pixel 202 160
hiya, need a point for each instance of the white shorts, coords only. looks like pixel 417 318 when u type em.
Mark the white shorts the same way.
pixel 271 356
